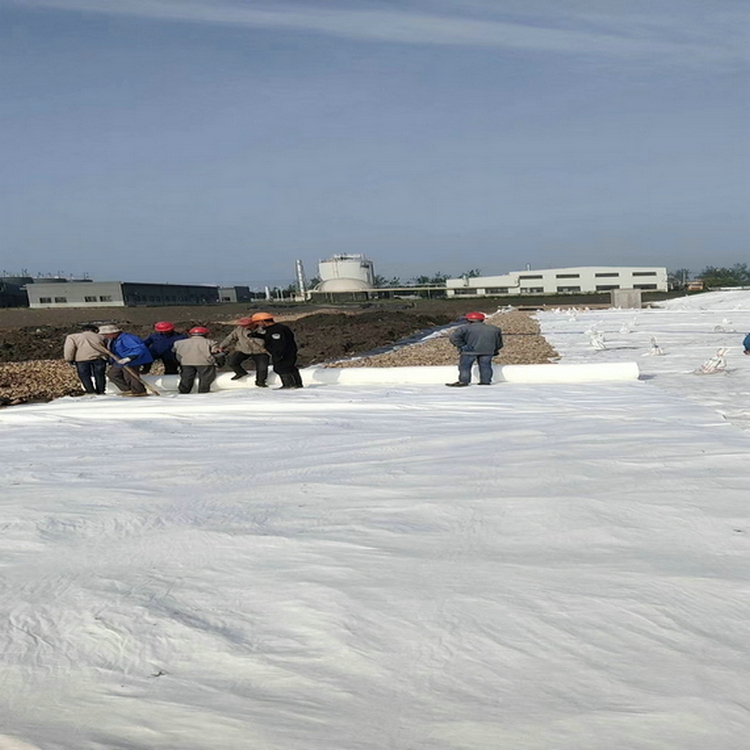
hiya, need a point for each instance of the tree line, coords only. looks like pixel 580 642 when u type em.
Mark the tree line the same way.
pixel 712 276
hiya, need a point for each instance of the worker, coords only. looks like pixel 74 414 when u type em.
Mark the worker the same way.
pixel 196 356
pixel 244 346
pixel 159 343
pixel 478 342
pixel 128 352
pixel 83 350
pixel 279 342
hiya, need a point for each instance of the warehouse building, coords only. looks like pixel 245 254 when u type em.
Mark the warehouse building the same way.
pixel 118 294
pixel 576 280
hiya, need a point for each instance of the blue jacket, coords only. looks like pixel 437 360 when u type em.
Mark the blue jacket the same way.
pixel 746 343
pixel 129 345
pixel 160 344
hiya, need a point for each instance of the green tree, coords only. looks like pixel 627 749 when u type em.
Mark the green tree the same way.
pixel 472 274
pixel 737 275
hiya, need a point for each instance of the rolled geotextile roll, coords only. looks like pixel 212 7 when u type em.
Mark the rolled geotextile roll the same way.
pixel 552 373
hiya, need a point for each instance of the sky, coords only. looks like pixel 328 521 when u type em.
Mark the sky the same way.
pixel 217 141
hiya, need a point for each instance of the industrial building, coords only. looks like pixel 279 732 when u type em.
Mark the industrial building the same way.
pixel 118 294
pixel 235 294
pixel 576 280
pixel 13 291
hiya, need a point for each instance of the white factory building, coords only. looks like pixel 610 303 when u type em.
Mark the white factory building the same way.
pixel 575 280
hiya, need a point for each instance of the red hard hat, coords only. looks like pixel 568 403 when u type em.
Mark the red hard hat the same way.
pixel 245 322
pixel 164 325
pixel 475 316
pixel 198 331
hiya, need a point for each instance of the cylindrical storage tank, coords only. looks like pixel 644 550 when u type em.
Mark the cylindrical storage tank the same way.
pixel 357 268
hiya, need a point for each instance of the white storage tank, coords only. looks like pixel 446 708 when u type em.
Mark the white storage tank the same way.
pixel 346 273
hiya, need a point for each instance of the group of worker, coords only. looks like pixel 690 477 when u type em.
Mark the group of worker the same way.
pixel 259 337
pixel 106 351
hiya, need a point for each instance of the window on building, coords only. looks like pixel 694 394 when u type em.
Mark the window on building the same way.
pixel 532 290
pixel 530 278
pixel 644 286
pixel 226 299
pixel 568 289
pixel 644 273
pixel 105 298
pixel 568 276
pixel 464 292
pixel 61 300
pixel 497 290
pixel 603 275
pixel 89 299
pixel 606 287
pixel 45 300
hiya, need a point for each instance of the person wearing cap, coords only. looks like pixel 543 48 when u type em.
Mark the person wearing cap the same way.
pixel 159 343
pixel 83 350
pixel 243 346
pixel 127 352
pixel 196 356
pixel 478 342
pixel 279 342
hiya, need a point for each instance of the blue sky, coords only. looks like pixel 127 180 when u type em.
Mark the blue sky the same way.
pixel 217 141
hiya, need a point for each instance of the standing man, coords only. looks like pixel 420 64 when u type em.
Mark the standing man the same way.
pixel 280 344
pixel 246 346
pixel 84 351
pixel 196 358
pixel 127 352
pixel 159 343
pixel 479 342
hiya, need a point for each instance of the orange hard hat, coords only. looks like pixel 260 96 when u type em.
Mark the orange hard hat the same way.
pixel 261 317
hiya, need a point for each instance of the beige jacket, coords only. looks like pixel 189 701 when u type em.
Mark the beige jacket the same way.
pixel 196 351
pixel 240 340
pixel 80 347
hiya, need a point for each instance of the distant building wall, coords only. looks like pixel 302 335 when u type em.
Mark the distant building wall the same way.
pixel 118 294
pixel 235 294
pixel 576 280
pixel 136 294
pixel 13 291
pixel 75 294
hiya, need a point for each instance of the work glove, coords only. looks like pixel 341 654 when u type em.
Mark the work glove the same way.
pixel 124 360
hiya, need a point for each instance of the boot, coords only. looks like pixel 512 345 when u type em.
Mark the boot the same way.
pixel 287 381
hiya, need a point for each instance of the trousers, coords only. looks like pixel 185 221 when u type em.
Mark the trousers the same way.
pixel 466 362
pixel 206 375
pixel 92 375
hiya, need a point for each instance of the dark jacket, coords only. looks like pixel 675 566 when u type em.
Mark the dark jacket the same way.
pixel 477 338
pixel 279 341
pixel 746 343
pixel 160 344
pixel 129 345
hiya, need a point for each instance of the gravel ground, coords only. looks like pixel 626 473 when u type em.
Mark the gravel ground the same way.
pixel 47 379
pixel 523 345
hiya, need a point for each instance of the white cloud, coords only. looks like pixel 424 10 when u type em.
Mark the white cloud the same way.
pixel 613 36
